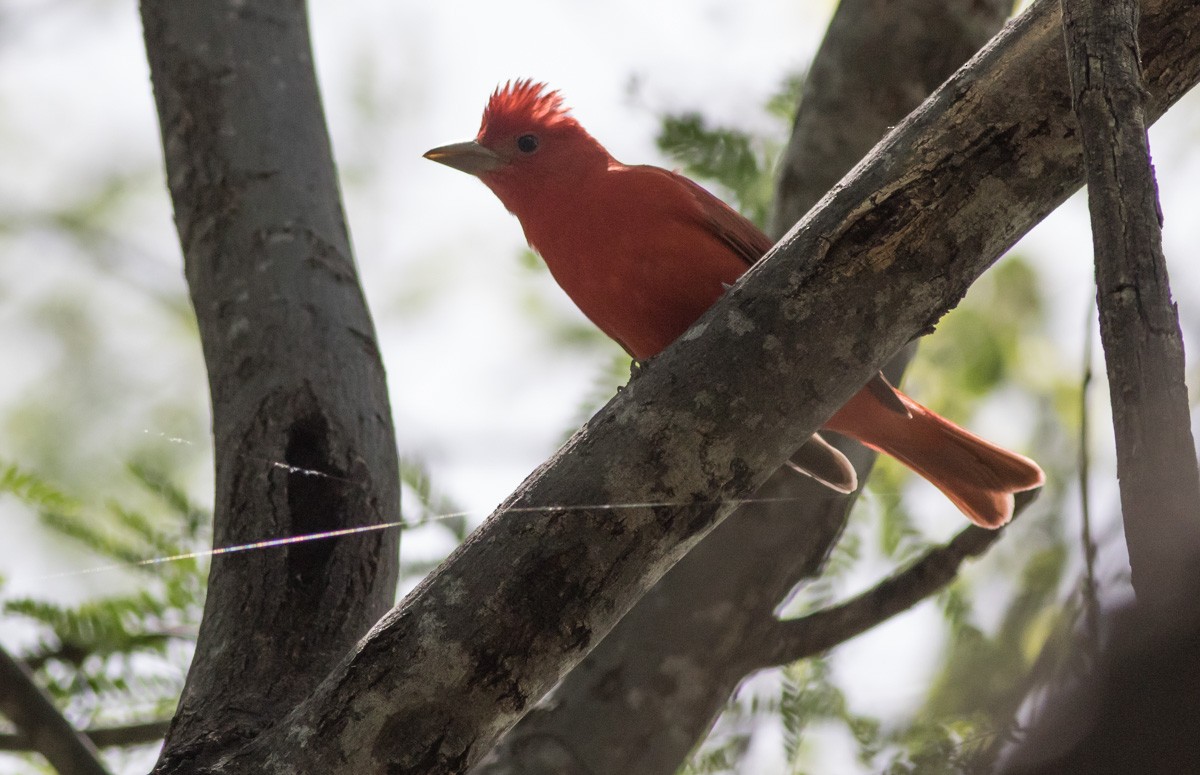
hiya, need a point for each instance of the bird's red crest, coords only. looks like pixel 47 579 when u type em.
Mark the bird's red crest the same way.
pixel 520 105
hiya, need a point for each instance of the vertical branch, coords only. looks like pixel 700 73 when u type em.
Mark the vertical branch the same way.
pixel 301 424
pixel 1091 600
pixel 1139 326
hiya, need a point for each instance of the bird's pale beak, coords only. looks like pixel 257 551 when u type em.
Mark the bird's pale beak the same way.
pixel 470 157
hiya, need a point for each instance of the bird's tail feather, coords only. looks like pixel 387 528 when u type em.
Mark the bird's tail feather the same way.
pixel 979 477
pixel 824 462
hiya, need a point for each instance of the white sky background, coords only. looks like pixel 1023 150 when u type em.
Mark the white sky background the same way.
pixel 478 391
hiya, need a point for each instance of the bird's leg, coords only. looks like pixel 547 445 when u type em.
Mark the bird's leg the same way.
pixel 635 371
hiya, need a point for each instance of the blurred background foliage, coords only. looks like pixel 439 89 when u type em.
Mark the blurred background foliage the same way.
pixel 105 444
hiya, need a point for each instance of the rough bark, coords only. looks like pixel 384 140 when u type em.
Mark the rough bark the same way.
pixel 884 256
pixel 1139 325
pixel 654 685
pixel 301 423
pixel 1127 701
pixel 46 730
pixel 643 697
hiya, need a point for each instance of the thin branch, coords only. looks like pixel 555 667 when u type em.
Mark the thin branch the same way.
pixel 101 737
pixel 28 707
pixel 1139 325
pixel 1091 597
pixel 818 632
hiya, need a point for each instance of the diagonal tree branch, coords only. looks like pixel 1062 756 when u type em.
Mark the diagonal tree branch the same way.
pixel 643 697
pixel 820 631
pixel 885 254
pixel 1139 325
pixel 28 707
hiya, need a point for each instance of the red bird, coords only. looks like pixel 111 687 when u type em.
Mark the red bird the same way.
pixel 644 252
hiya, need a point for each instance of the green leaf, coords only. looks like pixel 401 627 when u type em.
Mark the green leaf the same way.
pixel 33 490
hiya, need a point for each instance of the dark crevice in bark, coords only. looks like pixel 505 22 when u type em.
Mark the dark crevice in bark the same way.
pixel 315 497
pixel 301 425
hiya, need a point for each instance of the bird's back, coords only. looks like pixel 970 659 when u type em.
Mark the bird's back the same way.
pixel 641 251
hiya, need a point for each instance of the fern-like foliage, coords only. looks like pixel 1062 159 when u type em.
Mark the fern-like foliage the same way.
pixel 118 657
pixel 739 161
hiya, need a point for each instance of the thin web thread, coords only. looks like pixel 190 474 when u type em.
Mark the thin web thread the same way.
pixel 400 524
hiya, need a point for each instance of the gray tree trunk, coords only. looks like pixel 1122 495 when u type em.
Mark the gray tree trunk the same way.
pixel 301 423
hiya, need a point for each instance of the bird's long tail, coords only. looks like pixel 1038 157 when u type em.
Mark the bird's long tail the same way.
pixel 978 476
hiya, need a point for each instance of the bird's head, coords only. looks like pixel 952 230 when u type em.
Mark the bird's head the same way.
pixel 527 139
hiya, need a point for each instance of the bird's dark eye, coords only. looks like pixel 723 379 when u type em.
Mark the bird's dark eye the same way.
pixel 527 143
